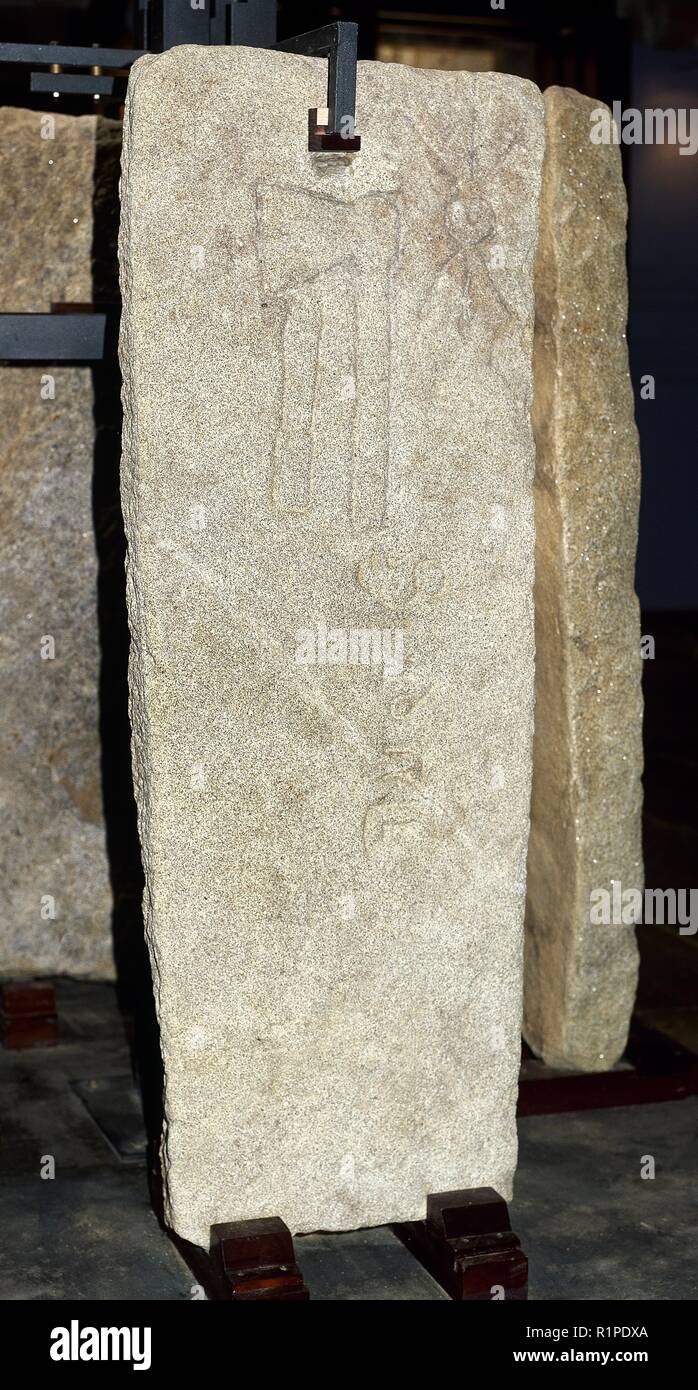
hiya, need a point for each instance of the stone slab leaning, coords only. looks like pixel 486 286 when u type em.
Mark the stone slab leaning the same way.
pixel 327 381
pixel 55 898
pixel 580 976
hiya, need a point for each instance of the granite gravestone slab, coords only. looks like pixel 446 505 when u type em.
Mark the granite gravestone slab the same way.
pixel 327 488
pixel 57 179
pixel 587 796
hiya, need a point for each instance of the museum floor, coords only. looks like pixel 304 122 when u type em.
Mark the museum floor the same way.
pixel 591 1226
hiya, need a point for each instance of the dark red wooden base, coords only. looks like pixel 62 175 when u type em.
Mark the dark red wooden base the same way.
pixel 248 1262
pixel 28 1014
pixel 660 1069
pixel 468 1246
pixel 257 1261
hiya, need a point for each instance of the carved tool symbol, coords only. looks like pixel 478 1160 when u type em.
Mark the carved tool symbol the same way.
pixel 332 273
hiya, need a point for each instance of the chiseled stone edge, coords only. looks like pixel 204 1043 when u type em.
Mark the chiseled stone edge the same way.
pixel 563 1020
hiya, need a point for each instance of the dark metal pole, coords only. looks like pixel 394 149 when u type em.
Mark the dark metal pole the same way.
pixel 337 43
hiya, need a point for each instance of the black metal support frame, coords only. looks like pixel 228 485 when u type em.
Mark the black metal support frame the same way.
pixel 337 43
pixel 166 23
pixel 88 337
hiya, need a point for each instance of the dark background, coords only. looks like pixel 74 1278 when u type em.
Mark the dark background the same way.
pixel 641 53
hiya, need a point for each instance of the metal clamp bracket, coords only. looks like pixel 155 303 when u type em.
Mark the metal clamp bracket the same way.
pixel 337 43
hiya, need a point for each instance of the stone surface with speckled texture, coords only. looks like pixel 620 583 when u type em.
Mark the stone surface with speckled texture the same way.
pixel 580 978
pixel 327 380
pixel 52 837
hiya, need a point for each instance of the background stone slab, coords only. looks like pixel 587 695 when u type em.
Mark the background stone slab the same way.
pixel 52 837
pixel 327 388
pixel 580 978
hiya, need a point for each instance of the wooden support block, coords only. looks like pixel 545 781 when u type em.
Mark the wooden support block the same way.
pixel 248 1261
pixel 468 1246
pixel 257 1261
pixel 28 1014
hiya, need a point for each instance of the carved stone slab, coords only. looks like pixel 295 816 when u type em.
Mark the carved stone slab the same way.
pixel 587 793
pixel 327 487
pixel 57 181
